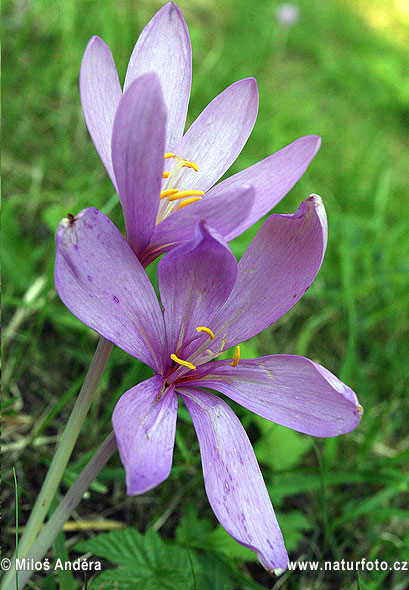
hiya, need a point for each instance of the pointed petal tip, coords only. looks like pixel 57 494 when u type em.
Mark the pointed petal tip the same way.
pixel 169 8
pixel 320 211
pixel 277 571
pixel 250 82
pixel 136 488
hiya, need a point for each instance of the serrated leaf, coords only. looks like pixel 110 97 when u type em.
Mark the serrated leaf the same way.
pixel 145 560
pixel 123 578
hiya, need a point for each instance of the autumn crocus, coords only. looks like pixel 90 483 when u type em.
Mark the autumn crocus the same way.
pixel 209 305
pixel 164 179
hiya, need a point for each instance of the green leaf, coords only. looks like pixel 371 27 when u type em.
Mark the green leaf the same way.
pixel 200 533
pixel 220 541
pixel 293 525
pixel 279 447
pixel 145 561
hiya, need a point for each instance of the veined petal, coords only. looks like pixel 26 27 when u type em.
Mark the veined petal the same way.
pixel 144 422
pixel 218 135
pixel 195 280
pixel 164 48
pixel 138 144
pixel 100 92
pixel 288 390
pixel 233 481
pixel 223 215
pixel 275 271
pixel 102 282
pixel 271 178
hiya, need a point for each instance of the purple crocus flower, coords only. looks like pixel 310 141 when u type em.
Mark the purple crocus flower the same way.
pixel 210 303
pixel 157 170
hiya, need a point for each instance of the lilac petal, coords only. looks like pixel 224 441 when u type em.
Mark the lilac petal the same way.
pixel 233 481
pixel 218 135
pixel 275 271
pixel 164 48
pixel 194 280
pixel 100 92
pixel 223 215
pixel 271 178
pixel 289 390
pixel 138 144
pixel 102 282
pixel 144 422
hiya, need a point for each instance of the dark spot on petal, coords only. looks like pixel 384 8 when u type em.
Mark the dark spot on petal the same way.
pixel 75 246
pixel 71 219
pixel 294 296
pixel 89 277
pixel 116 299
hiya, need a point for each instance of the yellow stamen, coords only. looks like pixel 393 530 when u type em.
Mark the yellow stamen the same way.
pixel 181 362
pixel 207 330
pixel 188 202
pixel 183 194
pixel 236 357
pixel 168 193
pixel 191 165
pixel 169 155
pixel 209 351
pixel 166 175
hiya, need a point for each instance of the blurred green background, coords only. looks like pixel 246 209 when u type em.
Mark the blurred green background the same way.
pixel 339 71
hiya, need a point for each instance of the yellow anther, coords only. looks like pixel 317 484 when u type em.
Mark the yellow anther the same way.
pixel 209 351
pixel 189 202
pixel 207 330
pixel 191 165
pixel 166 175
pixel 182 362
pixel 169 155
pixel 236 357
pixel 183 194
pixel 168 193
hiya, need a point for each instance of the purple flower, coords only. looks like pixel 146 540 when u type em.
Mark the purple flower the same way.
pixel 210 303
pixel 157 170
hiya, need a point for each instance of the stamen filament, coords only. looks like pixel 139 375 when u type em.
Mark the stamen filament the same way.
pixel 207 330
pixel 236 357
pixel 168 193
pixel 188 202
pixel 182 362
pixel 183 194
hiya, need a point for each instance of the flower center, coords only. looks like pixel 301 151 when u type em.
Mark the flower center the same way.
pixel 208 331
pixel 174 195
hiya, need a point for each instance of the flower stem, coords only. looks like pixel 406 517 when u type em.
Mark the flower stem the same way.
pixel 68 504
pixel 64 449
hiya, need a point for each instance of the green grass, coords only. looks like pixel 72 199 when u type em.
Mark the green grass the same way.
pixel 334 74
